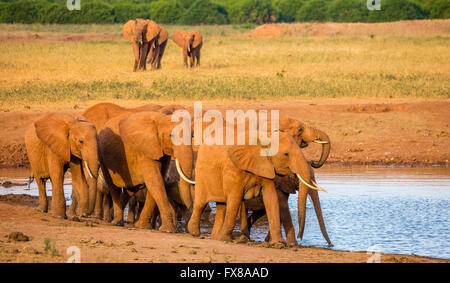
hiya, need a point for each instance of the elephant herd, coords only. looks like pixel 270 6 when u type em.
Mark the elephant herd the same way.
pixel 120 156
pixel 149 41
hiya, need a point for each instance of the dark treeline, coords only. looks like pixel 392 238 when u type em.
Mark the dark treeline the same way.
pixel 191 12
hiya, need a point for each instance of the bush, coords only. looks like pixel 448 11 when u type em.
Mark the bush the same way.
pixel 204 12
pixel 438 9
pixel 252 11
pixel 166 11
pixel 395 10
pixel 313 11
pixel 25 12
pixel 286 9
pixel 348 11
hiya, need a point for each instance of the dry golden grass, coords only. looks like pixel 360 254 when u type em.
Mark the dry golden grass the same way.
pixel 235 65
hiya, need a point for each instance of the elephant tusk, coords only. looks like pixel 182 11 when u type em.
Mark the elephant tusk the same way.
pixel 317 188
pixel 177 163
pixel 321 142
pixel 88 169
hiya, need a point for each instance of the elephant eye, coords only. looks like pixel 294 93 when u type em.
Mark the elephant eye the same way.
pixel 81 141
pixel 286 154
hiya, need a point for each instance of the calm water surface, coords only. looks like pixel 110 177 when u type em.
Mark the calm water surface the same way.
pixel 393 210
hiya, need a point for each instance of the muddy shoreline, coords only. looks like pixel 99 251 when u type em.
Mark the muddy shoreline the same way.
pixel 47 239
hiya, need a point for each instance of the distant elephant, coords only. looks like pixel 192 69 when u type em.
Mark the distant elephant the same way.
pixel 157 50
pixel 230 174
pixel 285 186
pixel 135 151
pixel 142 34
pixel 191 43
pixel 56 142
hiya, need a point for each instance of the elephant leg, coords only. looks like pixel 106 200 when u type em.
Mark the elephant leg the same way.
pixel 143 56
pixel 108 210
pixel 117 205
pixel 218 220
pixel 244 221
pixel 80 186
pixel 43 200
pixel 98 212
pixel 271 204
pixel 161 53
pixel 136 56
pixel 191 59
pixel 198 59
pixel 232 207
pixel 57 179
pixel 145 220
pixel 254 217
pixel 132 209
pixel 156 189
pixel 73 206
pixel 185 55
pixel 199 205
pixel 286 219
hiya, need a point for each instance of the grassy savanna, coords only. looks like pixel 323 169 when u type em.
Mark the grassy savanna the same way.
pixel 235 65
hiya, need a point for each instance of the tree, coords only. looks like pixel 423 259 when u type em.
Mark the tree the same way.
pixel 313 11
pixel 396 10
pixel 204 12
pixel 252 11
pixel 348 11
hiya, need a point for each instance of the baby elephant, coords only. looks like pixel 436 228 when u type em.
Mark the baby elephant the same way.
pixel 191 42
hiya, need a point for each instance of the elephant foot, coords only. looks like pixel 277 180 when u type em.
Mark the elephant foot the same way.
pixel 97 215
pixel 224 237
pixel 58 216
pixel 278 245
pixel 292 243
pixel 117 222
pixel 44 210
pixel 143 225
pixel 193 229
pixel 167 228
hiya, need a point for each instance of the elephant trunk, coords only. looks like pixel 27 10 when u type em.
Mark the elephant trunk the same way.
pixel 316 203
pixel 91 171
pixel 302 194
pixel 314 135
pixel 184 160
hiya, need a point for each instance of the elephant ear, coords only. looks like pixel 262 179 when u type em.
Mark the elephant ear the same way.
pixel 178 38
pixel 152 30
pixel 163 35
pixel 140 132
pixel 128 30
pixel 53 130
pixel 198 39
pixel 248 158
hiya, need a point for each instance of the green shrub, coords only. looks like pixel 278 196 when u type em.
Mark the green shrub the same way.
pixel 204 12
pixel 286 9
pixel 395 10
pixel 166 11
pixel 348 11
pixel 313 11
pixel 438 9
pixel 25 12
pixel 252 11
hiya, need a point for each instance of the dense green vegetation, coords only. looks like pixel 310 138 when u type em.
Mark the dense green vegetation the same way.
pixel 219 11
